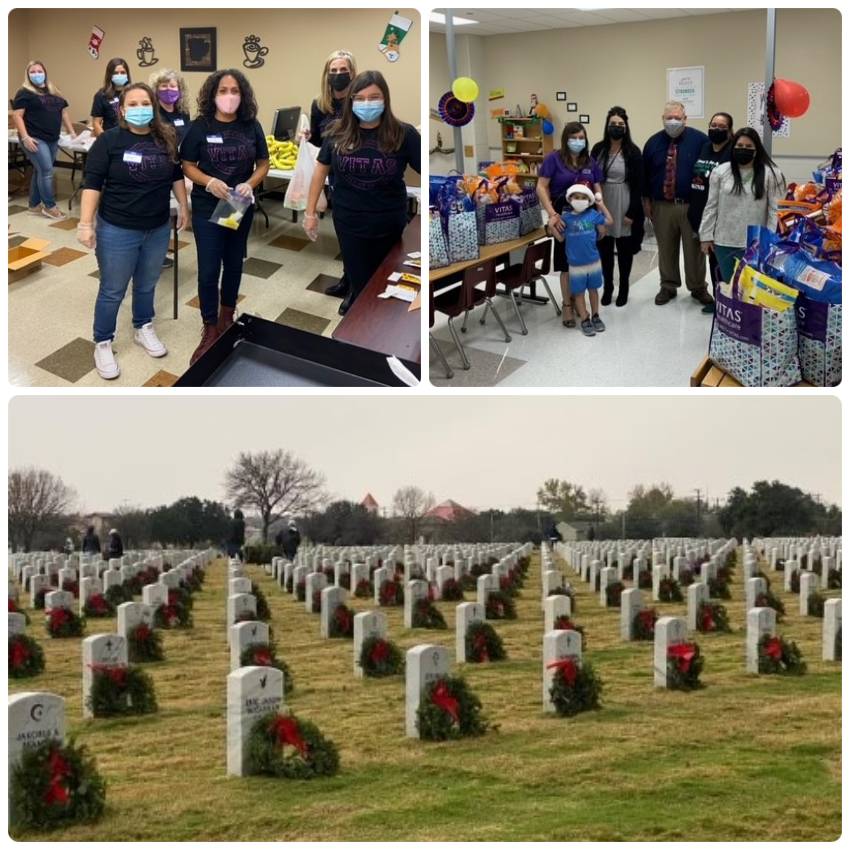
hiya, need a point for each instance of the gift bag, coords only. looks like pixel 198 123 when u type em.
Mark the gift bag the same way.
pixel 498 222
pixel 819 330
pixel 299 186
pixel 462 230
pixel 438 250
pixel 530 212
pixel 756 345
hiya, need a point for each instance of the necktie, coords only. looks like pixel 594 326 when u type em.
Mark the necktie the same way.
pixel 670 172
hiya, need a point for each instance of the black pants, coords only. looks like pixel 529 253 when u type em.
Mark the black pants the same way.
pixel 624 260
pixel 362 255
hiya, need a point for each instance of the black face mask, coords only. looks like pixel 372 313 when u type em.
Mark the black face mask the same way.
pixel 340 82
pixel 615 131
pixel 743 156
pixel 717 135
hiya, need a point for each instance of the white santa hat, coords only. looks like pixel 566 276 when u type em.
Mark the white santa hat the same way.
pixel 581 189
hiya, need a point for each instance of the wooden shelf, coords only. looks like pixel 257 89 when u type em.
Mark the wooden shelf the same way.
pixel 533 135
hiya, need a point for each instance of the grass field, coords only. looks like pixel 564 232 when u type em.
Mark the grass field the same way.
pixel 745 758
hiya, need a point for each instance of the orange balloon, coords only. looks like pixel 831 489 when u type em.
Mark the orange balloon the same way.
pixel 792 99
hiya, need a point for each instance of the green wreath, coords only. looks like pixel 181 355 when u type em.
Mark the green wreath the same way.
pixel 181 595
pixel 686 577
pixel 712 617
pixel 565 623
pixel 448 710
pixel 14 609
pixel 97 605
pixel 613 592
pixel 833 580
pixel 426 615
pixel 26 657
pixel 380 657
pixel 452 591
pixel 684 665
pixel 287 747
pixel 718 588
pixel 509 584
pixel 301 591
pixel 500 606
pixel 816 604
pixel 144 644
pixel 777 655
pixel 838 644
pixel 38 601
pixel 575 687
pixel 341 623
pixel 53 784
pixel 117 595
pixel 769 600
pixel 265 655
pixel 483 643
pixel 523 563
pixel 364 589
pixel 120 690
pixel 669 590
pixel 64 623
pixel 645 579
pixel 643 625
pixel 173 615
pixel 391 593
pixel 795 581
pixel 264 613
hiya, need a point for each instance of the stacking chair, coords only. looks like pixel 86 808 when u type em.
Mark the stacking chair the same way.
pixel 434 344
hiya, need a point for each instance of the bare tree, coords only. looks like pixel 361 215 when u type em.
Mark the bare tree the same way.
pixel 411 504
pixel 598 504
pixel 274 483
pixel 36 498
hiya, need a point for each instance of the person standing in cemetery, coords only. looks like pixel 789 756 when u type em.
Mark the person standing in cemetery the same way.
pixel 560 170
pixel 91 542
pixel 367 152
pixel 289 539
pixel 39 112
pixel 224 152
pixel 125 217
pixel 105 112
pixel 668 159
pixel 236 539
pixel 114 546
pixel 742 192
pixel 172 100
pixel 715 151
pixel 620 160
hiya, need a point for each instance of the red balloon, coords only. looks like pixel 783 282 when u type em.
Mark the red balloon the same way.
pixel 792 99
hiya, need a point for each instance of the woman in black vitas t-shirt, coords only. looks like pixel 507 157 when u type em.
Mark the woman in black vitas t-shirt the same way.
pixel 104 108
pixel 367 151
pixel 39 112
pixel 224 152
pixel 172 100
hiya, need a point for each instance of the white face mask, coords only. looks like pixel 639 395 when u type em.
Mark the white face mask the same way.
pixel 580 205
pixel 674 126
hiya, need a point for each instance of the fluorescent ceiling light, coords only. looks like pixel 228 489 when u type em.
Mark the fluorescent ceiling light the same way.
pixel 440 18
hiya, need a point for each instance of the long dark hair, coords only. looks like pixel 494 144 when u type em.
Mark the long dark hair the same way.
pixel 346 130
pixel 626 142
pixel 206 96
pixel 162 131
pixel 761 161
pixel 108 88
pixel 566 154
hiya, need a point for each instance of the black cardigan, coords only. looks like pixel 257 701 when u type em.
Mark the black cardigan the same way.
pixel 634 176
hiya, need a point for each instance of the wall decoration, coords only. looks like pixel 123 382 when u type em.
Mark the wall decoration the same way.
pixel 145 52
pixel 687 85
pixel 560 95
pixel 496 94
pixel 198 49
pixel 254 52
pixel 394 34
pixel 584 119
pixel 756 109
pixel 95 40
pixel 572 107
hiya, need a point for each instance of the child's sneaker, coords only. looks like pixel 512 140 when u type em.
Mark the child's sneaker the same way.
pixel 587 327
pixel 598 324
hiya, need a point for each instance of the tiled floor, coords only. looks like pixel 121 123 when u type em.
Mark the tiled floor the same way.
pixel 51 310
pixel 643 345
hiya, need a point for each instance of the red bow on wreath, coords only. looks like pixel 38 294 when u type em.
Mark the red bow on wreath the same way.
pixel 773 648
pixel 98 604
pixel 57 793
pixel 567 668
pixel 343 618
pixel 262 657
pixel 171 614
pixel 479 645
pixel 707 620
pixel 142 632
pixel 380 652
pixel 20 653
pixel 12 607
pixel 117 673
pixel 285 729
pixel 683 654
pixel 58 617
pixel 443 699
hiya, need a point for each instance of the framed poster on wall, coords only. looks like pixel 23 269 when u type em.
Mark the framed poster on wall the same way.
pixel 688 86
pixel 198 49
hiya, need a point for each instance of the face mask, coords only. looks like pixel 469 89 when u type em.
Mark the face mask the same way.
pixel 119 79
pixel 615 131
pixel 674 127
pixel 743 156
pixel 168 95
pixel 227 103
pixel 37 79
pixel 369 111
pixel 717 135
pixel 580 205
pixel 340 82
pixel 576 145
pixel 138 116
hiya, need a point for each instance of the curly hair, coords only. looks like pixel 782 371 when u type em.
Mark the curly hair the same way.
pixel 157 78
pixel 206 96
pixel 162 132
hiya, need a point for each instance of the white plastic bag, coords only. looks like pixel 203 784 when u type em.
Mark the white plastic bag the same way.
pixel 299 185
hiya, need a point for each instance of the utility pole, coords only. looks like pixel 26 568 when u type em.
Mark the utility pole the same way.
pixel 699 506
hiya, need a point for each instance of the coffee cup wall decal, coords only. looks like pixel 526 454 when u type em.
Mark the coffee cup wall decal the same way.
pixel 145 52
pixel 254 52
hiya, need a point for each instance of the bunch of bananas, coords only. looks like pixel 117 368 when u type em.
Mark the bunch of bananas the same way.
pixel 282 154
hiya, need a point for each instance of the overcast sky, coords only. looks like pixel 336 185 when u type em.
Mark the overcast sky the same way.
pixel 482 451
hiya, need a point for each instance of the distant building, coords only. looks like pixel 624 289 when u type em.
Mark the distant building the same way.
pixel 370 504
pixel 432 524
pixel 574 530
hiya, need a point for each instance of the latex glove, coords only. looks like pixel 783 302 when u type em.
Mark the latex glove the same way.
pixel 311 226
pixel 218 189
pixel 245 190
pixel 30 144
pixel 86 235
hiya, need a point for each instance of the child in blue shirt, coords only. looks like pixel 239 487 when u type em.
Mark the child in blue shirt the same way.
pixel 583 226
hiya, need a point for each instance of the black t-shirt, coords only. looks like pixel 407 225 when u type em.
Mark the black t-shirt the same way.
pixel 134 176
pixel 106 107
pixel 42 113
pixel 179 120
pixel 370 196
pixel 707 161
pixel 226 150
pixel 319 121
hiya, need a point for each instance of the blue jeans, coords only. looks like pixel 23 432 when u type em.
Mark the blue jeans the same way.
pixel 220 252
pixel 123 254
pixel 41 187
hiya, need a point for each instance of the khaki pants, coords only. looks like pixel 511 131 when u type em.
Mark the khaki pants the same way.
pixel 672 227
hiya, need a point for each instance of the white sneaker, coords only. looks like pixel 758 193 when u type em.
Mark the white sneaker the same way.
pixel 104 360
pixel 53 213
pixel 147 338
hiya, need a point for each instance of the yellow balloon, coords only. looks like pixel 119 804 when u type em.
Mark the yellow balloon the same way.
pixel 465 89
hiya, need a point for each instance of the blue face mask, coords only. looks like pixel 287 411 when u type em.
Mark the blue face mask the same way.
pixel 139 116
pixel 368 111
pixel 37 79
pixel 119 79
pixel 576 145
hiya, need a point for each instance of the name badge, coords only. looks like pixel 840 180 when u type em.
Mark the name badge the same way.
pixel 179 122
pixel 215 140
pixel 131 156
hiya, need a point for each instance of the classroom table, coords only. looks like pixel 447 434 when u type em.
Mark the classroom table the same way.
pixel 386 325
